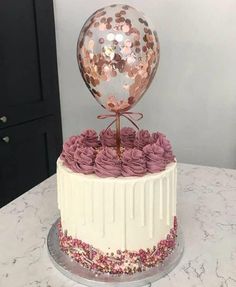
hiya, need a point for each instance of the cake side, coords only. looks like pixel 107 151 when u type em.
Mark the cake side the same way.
pixel 124 213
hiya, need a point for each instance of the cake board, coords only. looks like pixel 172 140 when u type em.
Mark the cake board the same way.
pixel 86 277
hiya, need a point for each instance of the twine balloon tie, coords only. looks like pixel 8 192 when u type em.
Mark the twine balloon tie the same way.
pixel 131 116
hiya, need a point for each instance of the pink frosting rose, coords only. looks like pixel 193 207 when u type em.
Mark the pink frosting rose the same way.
pixel 107 163
pixel 133 163
pixel 108 138
pixel 142 138
pixel 154 154
pixel 127 135
pixel 89 138
pixel 84 160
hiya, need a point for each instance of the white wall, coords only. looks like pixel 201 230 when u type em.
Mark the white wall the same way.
pixel 193 96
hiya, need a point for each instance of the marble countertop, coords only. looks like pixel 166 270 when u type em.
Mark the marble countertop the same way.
pixel 206 211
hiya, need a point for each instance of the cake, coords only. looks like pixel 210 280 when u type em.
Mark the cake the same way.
pixel 117 190
pixel 118 212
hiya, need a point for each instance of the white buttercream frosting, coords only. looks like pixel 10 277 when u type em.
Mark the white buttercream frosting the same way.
pixel 117 213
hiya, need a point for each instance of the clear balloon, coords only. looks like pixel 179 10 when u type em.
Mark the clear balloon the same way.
pixel 118 54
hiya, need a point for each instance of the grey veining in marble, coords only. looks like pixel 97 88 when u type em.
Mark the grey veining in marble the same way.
pixel 206 210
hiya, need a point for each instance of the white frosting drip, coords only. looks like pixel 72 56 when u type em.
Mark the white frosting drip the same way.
pixel 117 213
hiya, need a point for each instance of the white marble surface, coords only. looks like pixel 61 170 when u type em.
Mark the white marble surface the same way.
pixel 206 210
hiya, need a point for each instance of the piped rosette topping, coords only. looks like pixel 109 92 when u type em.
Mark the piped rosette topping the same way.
pixel 107 163
pixel 133 163
pixel 141 153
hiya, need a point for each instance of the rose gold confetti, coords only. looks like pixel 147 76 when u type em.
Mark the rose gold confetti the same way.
pixel 90 44
pixel 126 50
pixel 128 43
pixel 117 57
pixel 110 37
pixel 96 24
pixel 109 19
pixel 130 60
pixel 122 12
pixel 101 40
pixel 125 28
pixel 136 37
pixel 140 20
pixel 119 37
pixel 108 26
pixel 102 26
pixel 103 20
pixel 150 45
pixel 106 69
pixel 89 33
pixel 113 5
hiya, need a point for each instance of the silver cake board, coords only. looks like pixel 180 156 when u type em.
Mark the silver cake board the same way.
pixel 86 277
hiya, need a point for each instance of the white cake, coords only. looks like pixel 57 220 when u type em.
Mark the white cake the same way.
pixel 111 221
pixel 126 213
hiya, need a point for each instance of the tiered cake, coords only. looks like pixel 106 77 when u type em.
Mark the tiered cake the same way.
pixel 118 213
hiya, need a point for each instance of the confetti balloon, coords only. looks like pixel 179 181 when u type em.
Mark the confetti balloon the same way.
pixel 118 54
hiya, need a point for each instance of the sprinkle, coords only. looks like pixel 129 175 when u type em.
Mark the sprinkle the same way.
pixel 119 262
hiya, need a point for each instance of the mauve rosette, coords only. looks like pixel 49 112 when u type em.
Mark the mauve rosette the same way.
pixel 69 149
pixel 108 138
pixel 154 137
pixel 107 163
pixel 127 136
pixel 89 138
pixel 154 154
pixel 142 138
pixel 162 140
pixel 133 163
pixel 84 158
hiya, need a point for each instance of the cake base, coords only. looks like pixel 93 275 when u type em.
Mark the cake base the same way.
pixel 79 274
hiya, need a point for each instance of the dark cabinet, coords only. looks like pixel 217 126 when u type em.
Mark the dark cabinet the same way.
pixel 30 122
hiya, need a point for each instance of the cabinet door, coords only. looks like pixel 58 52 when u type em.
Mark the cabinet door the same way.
pixel 28 155
pixel 28 68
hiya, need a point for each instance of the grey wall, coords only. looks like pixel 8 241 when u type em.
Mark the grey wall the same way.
pixel 193 96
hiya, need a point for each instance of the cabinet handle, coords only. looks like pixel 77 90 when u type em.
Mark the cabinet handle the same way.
pixel 3 119
pixel 6 139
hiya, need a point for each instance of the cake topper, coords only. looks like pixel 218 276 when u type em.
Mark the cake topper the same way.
pixel 118 54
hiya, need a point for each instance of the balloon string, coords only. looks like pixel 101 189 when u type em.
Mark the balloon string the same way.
pixel 131 116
